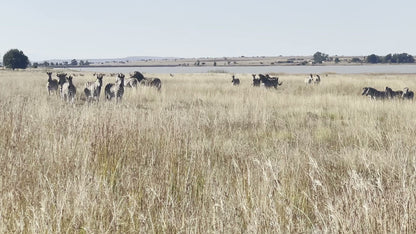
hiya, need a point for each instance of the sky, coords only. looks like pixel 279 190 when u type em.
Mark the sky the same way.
pixel 82 29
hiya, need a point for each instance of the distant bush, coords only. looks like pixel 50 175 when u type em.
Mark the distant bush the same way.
pixel 395 58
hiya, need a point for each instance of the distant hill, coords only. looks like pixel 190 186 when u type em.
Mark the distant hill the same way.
pixel 105 60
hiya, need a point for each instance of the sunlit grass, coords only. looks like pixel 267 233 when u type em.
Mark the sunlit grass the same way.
pixel 205 156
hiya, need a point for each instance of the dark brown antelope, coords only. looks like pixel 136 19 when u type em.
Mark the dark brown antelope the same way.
pixel 235 81
pixel 256 82
pixel 393 94
pixel 374 93
pixel 147 81
pixel 52 84
pixel 407 94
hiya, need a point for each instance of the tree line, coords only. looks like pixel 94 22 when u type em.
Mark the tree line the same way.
pixel 391 58
pixel 320 57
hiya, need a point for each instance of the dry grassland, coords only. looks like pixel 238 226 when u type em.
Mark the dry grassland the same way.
pixel 203 156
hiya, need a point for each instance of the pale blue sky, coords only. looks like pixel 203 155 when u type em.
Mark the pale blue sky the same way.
pixel 49 29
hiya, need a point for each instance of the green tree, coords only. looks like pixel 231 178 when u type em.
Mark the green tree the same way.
pixel 15 58
pixel 373 59
pixel 74 62
pixel 319 57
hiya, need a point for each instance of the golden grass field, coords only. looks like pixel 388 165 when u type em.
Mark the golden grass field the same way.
pixel 203 156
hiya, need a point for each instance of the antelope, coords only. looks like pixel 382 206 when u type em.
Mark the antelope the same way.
pixel 68 90
pixel 393 94
pixel 235 81
pixel 152 82
pixel 92 90
pixel 374 93
pixel 256 82
pixel 115 90
pixel 317 80
pixel 407 94
pixel 309 80
pixel 52 84
pixel 61 81
pixel 269 81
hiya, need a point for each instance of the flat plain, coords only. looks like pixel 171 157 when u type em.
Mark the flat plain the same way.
pixel 204 156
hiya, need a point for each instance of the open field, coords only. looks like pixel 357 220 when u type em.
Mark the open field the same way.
pixel 204 156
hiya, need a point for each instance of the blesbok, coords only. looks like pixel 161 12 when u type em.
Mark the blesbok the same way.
pixel 115 89
pixel 235 81
pixel 131 82
pixel 407 94
pixel 393 94
pixel 374 93
pixel 309 80
pixel 152 82
pixel 256 82
pixel 317 80
pixel 269 81
pixel 92 90
pixel 52 84
pixel 61 80
pixel 68 91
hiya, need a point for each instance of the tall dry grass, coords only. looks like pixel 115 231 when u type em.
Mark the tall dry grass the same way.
pixel 204 156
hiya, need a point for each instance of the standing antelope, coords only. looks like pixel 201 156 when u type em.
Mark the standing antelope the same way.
pixel 115 90
pixel 61 81
pixel 317 80
pixel 407 94
pixel 93 89
pixel 52 84
pixel 256 82
pixel 68 90
pixel 235 81
pixel 309 80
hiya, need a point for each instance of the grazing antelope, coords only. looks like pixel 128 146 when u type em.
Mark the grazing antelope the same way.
pixel 115 90
pixel 393 94
pixel 68 90
pixel 374 93
pixel 92 90
pixel 52 84
pixel 317 80
pixel 171 75
pixel 152 82
pixel 309 80
pixel 235 81
pixel 407 94
pixel 269 81
pixel 256 82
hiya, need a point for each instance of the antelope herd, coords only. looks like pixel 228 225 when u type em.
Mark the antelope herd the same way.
pixel 388 93
pixel 92 90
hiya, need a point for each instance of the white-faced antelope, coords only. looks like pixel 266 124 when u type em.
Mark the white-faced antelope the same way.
pixel 374 93
pixel 52 84
pixel 68 90
pixel 235 81
pixel 407 94
pixel 115 89
pixel 92 90
pixel 309 80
